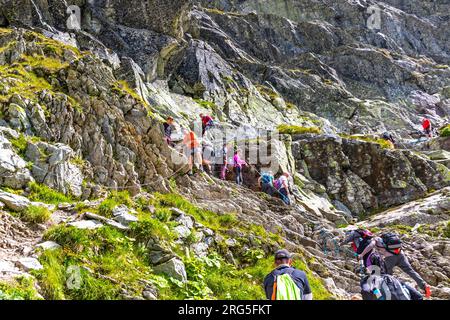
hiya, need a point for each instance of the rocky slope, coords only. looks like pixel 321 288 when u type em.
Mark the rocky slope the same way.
pixel 93 204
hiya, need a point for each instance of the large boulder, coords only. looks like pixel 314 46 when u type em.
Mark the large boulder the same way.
pixel 364 176
pixel 54 166
pixel 173 268
pixel 14 202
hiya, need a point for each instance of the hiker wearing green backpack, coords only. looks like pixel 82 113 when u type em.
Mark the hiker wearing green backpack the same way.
pixel 286 282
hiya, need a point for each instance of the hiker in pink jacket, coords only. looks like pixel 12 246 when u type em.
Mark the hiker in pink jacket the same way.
pixel 238 164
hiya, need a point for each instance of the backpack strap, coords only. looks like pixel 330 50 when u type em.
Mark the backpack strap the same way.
pixel 274 292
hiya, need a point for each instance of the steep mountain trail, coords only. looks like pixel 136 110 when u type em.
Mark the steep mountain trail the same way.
pixel 17 241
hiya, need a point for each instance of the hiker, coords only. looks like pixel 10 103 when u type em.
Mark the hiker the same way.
pixel 265 183
pixel 224 169
pixel 390 139
pixel 238 164
pixel 382 286
pixel 387 287
pixel 360 239
pixel 168 128
pixel 193 150
pixel 282 185
pixel 207 122
pixel 426 125
pixel 208 155
pixel 286 282
pixel 389 246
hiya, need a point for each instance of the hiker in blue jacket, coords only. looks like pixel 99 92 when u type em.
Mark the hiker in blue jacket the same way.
pixel 283 262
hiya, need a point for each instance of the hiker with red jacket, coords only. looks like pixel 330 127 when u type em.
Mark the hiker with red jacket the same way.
pixel 389 246
pixel 426 125
pixel 207 122
pixel 283 262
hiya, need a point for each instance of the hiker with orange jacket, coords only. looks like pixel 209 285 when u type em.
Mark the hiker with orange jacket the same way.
pixel 193 150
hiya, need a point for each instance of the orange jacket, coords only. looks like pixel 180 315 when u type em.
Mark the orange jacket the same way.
pixel 190 140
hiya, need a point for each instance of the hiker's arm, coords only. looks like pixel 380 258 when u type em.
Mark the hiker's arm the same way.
pixel 408 269
pixel 367 249
pixel 286 186
pixel 268 286
pixel 307 292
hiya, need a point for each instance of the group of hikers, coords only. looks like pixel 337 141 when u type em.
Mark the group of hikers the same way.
pixel 377 256
pixel 201 154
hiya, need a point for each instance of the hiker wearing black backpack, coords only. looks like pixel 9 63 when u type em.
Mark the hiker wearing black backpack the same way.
pixel 286 282
pixel 360 239
pixel 389 245
pixel 382 286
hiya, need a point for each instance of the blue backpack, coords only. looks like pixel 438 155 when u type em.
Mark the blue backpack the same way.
pixel 266 178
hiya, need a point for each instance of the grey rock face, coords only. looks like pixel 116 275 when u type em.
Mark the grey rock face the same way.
pixel 13 169
pixel 363 176
pixel 52 166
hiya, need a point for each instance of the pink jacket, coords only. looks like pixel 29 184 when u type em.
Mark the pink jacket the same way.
pixel 238 162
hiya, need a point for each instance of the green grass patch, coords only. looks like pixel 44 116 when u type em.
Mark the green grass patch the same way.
pixel 20 288
pixel 292 129
pixel 114 199
pixel 381 142
pixel 19 144
pixel 445 131
pixel 106 259
pixel 49 64
pixel 42 193
pixel 35 214
pixel 122 88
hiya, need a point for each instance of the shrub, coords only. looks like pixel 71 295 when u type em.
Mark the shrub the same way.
pixel 114 199
pixel 446 232
pixel 148 228
pixel 52 277
pixel 35 214
pixel 445 132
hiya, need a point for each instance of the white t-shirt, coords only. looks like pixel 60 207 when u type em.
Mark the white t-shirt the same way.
pixel 283 180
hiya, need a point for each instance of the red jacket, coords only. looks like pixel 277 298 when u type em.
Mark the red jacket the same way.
pixel 206 119
pixel 426 124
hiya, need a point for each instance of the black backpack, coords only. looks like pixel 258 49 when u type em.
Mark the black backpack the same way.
pixel 388 287
pixel 392 242
pixel 365 239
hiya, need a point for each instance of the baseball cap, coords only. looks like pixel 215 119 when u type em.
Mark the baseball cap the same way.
pixel 282 254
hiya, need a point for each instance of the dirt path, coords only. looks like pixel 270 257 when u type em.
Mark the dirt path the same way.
pixel 16 241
